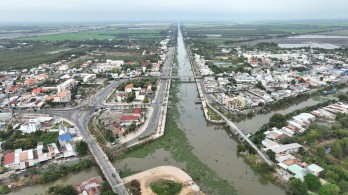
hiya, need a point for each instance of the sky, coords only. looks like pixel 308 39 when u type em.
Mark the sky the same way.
pixel 169 10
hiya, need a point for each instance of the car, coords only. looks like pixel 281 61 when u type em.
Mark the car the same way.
pixel 113 175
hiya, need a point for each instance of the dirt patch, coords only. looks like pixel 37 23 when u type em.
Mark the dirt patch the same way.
pixel 167 173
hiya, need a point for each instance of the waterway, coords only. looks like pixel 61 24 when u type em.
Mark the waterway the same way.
pixel 211 144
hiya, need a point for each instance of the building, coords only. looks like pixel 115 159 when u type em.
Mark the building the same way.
pixel 65 138
pixel 90 187
pixel 128 120
pixel 32 126
pixel 129 88
pixel 63 96
pixel 66 85
pixel 22 159
pixel 63 68
pixel 314 169
pixel 287 148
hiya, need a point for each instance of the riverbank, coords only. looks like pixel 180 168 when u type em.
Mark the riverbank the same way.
pixel 53 173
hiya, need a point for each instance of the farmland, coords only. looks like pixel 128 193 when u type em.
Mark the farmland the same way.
pixel 122 32
pixel 125 40
pixel 27 57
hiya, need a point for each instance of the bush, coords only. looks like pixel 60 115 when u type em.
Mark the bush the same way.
pixel 166 187
pixel 62 190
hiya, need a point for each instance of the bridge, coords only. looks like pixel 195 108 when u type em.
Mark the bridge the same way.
pixel 182 79
pixel 235 129
pixel 192 77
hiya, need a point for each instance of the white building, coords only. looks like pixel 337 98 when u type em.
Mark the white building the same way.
pixel 32 126
pixel 66 85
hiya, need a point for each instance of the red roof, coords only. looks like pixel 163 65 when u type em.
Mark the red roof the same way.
pixel 9 158
pixel 137 111
pixel 147 62
pixel 129 118
pixel 129 86
pixel 38 90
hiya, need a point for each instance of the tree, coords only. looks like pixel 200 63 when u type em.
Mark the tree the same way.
pixel 343 185
pixel 312 182
pixel 62 190
pixel 336 150
pixel 14 177
pixel 329 189
pixel 277 120
pixel 241 148
pixel 260 86
pixel 321 152
pixel 146 100
pixel 298 187
pixel 82 148
pixel 250 114
pixel 106 189
pixel 271 154
pixel 293 82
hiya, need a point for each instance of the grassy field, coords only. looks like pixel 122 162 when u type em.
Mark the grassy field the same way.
pixel 134 32
pixel 33 56
pixel 220 33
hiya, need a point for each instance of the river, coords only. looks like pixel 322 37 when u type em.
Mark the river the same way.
pixel 211 144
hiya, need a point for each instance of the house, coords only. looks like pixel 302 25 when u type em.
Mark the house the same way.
pixel 129 88
pixel 66 85
pixel 269 144
pixel 63 96
pixel 314 169
pixel 32 126
pixel 30 82
pixel 63 68
pixel 90 187
pixel 64 138
pixel 38 91
pixel 68 151
pixel 128 120
pixel 137 112
pixel 13 89
pixel 41 77
pixel 9 159
pixel 118 131
pixel 297 171
pixel 53 150
pixel 287 148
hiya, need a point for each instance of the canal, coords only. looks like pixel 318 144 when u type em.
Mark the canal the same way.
pixel 210 143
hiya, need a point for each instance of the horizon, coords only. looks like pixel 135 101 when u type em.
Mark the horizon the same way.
pixel 19 11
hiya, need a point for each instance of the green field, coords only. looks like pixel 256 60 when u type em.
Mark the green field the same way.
pixel 139 32
pixel 33 56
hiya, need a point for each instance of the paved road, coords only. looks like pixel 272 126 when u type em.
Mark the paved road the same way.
pixel 156 105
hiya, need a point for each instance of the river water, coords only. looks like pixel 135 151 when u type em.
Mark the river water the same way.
pixel 211 144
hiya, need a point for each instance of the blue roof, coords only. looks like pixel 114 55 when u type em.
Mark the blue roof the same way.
pixel 65 137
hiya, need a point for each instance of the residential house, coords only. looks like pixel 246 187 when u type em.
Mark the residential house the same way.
pixel 32 126
pixel 129 88
pixel 90 187
pixel 128 120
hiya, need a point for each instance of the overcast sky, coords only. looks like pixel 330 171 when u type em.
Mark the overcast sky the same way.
pixel 160 10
